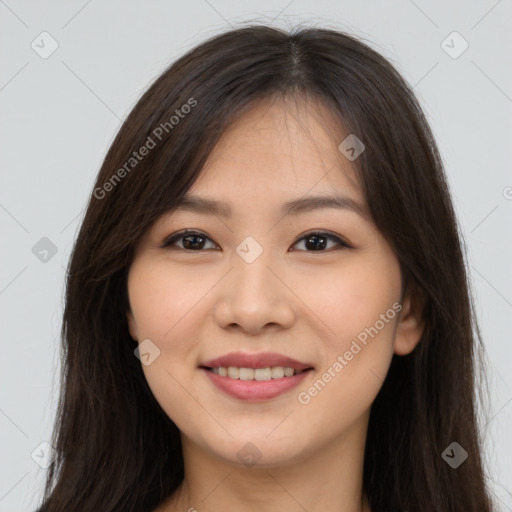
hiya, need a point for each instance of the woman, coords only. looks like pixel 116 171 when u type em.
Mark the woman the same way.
pixel 267 305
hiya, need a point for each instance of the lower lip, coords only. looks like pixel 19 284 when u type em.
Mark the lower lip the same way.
pixel 255 390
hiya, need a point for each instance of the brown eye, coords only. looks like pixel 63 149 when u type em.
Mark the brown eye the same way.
pixel 318 240
pixel 190 240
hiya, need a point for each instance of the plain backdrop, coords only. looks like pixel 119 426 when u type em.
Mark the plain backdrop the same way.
pixel 71 71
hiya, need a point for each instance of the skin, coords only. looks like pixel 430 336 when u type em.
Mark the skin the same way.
pixel 304 303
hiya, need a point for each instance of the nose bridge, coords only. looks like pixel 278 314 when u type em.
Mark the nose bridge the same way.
pixel 251 266
pixel 253 296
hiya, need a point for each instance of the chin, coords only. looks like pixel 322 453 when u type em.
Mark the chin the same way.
pixel 258 451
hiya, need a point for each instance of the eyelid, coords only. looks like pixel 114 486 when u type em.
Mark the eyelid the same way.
pixel 169 240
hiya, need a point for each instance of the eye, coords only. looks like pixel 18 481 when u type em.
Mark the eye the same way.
pixel 316 240
pixel 195 241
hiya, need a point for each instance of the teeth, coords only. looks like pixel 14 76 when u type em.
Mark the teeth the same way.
pixel 232 372
pixel 276 372
pixel 246 374
pixel 262 374
pixel 288 372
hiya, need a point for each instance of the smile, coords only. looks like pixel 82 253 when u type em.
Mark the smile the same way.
pixel 254 385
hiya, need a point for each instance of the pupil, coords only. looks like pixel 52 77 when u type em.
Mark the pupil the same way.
pixel 310 244
pixel 191 246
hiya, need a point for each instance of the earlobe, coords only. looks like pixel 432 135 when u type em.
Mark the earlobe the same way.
pixel 132 326
pixel 411 323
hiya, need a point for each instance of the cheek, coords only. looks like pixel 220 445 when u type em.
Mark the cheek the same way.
pixel 357 306
pixel 350 298
pixel 166 304
pixel 161 297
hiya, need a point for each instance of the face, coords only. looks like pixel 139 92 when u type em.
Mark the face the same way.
pixel 319 285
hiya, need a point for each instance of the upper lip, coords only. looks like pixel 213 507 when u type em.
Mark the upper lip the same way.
pixel 260 360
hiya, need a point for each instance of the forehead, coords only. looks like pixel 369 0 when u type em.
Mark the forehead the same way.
pixel 279 147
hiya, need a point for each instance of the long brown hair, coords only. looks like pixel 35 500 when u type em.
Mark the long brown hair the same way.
pixel 116 448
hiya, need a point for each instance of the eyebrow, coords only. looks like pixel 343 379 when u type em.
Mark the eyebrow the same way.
pixel 206 206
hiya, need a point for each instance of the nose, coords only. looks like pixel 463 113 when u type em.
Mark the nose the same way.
pixel 254 297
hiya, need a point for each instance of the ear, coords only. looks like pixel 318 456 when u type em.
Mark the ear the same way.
pixel 132 326
pixel 411 322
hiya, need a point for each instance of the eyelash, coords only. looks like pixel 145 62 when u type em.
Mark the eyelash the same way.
pixel 171 239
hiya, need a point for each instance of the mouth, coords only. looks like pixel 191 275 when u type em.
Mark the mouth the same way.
pixel 255 377
pixel 260 366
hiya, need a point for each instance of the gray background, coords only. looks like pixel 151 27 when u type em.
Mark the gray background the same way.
pixel 60 113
